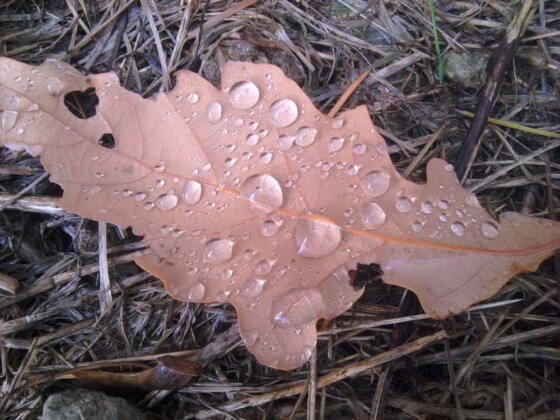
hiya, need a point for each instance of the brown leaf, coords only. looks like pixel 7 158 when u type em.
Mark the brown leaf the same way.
pixel 169 373
pixel 249 195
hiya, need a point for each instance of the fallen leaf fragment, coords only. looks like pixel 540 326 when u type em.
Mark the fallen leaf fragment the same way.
pixel 249 195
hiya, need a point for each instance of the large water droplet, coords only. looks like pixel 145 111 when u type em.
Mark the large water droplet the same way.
pixel 283 112
pixel 489 230
pixel 192 192
pixel 263 191
pixel 373 216
pixel 218 251
pixel 376 183
pixel 336 144
pixel 244 95
pixel 196 292
pixel 9 119
pixel 316 239
pixel 404 204
pixel 298 307
pixel 305 136
pixel 167 202
pixel 253 287
pixel 458 228
pixel 214 112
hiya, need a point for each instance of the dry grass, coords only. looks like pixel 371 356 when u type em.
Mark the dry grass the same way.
pixel 500 360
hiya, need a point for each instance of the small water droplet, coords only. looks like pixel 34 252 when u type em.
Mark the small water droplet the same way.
pixel 336 144
pixel 448 167
pixel 160 167
pixel 269 228
pixel 218 251
pixel 192 98
pixel 141 196
pixel 373 216
pixel 250 339
pixel 148 206
pixel 376 183
pixel 285 142
pixel 316 239
pixel 489 230
pixel 167 202
pixel 305 136
pixel 359 149
pixel 244 95
pixel 54 86
pixel 283 113
pixel 192 192
pixel 443 204
pixel 214 112
pixel 263 191
pixel 353 170
pixel 458 228
pixel 403 204
pixel 427 207
pixel 263 267
pixel 298 307
pixel 160 183
pixel 416 226
pixel 230 162
pixel 252 139
pixel 253 287
pixel 196 292
pixel 266 157
pixel 338 123
pixel 9 119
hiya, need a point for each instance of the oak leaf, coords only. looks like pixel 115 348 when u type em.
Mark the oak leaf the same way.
pixel 249 195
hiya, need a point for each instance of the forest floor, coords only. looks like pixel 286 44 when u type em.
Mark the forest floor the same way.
pixel 500 359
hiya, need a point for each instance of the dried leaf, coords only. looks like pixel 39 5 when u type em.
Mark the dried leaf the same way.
pixel 249 195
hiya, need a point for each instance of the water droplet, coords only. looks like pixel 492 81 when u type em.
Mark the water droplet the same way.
pixel 336 144
pixel 286 142
pixel 148 206
pixel 214 112
pixel 443 204
pixel 266 157
pixel 192 98
pixel 54 86
pixel 489 230
pixel 9 119
pixel 316 239
pixel 167 202
pixel 226 274
pixel 160 183
pixel 403 204
pixel 443 217
pixel 306 354
pixel 196 292
pixel 263 267
pixel 192 192
pixel 252 139
pixel 305 136
pixel 338 123
pixel 250 339
pixel 244 95
pixel 376 183
pixel 458 228
pixel 283 113
pixel 253 287
pixel 416 226
pixel 373 215
pixel 427 207
pixel 218 251
pixel 448 167
pixel 269 228
pixel 230 162
pixel 263 191
pixel 353 170
pixel 141 196
pixel 160 167
pixel 359 149
pixel 298 307
pixel 11 102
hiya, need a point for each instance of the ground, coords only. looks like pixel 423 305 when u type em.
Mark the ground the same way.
pixel 498 361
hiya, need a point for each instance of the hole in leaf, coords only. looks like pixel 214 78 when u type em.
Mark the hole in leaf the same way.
pixel 366 275
pixel 107 140
pixel 82 104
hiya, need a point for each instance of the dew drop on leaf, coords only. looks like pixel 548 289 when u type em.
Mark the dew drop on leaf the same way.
pixel 427 207
pixel 192 98
pixel 266 157
pixel 214 112
pixel 376 183
pixel 286 142
pixel 373 216
pixel 489 230
pixel 192 192
pixel 218 251
pixel 403 204
pixel 458 228
pixel 283 113
pixel 338 123
pixel 305 136
pixel 54 86
pixel 269 228
pixel 336 144
pixel 167 202
pixel 250 339
pixel 263 191
pixel 316 239
pixel 297 307
pixel 252 139
pixel 263 267
pixel 416 226
pixel 253 287
pixel 9 119
pixel 196 292
pixel 244 95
